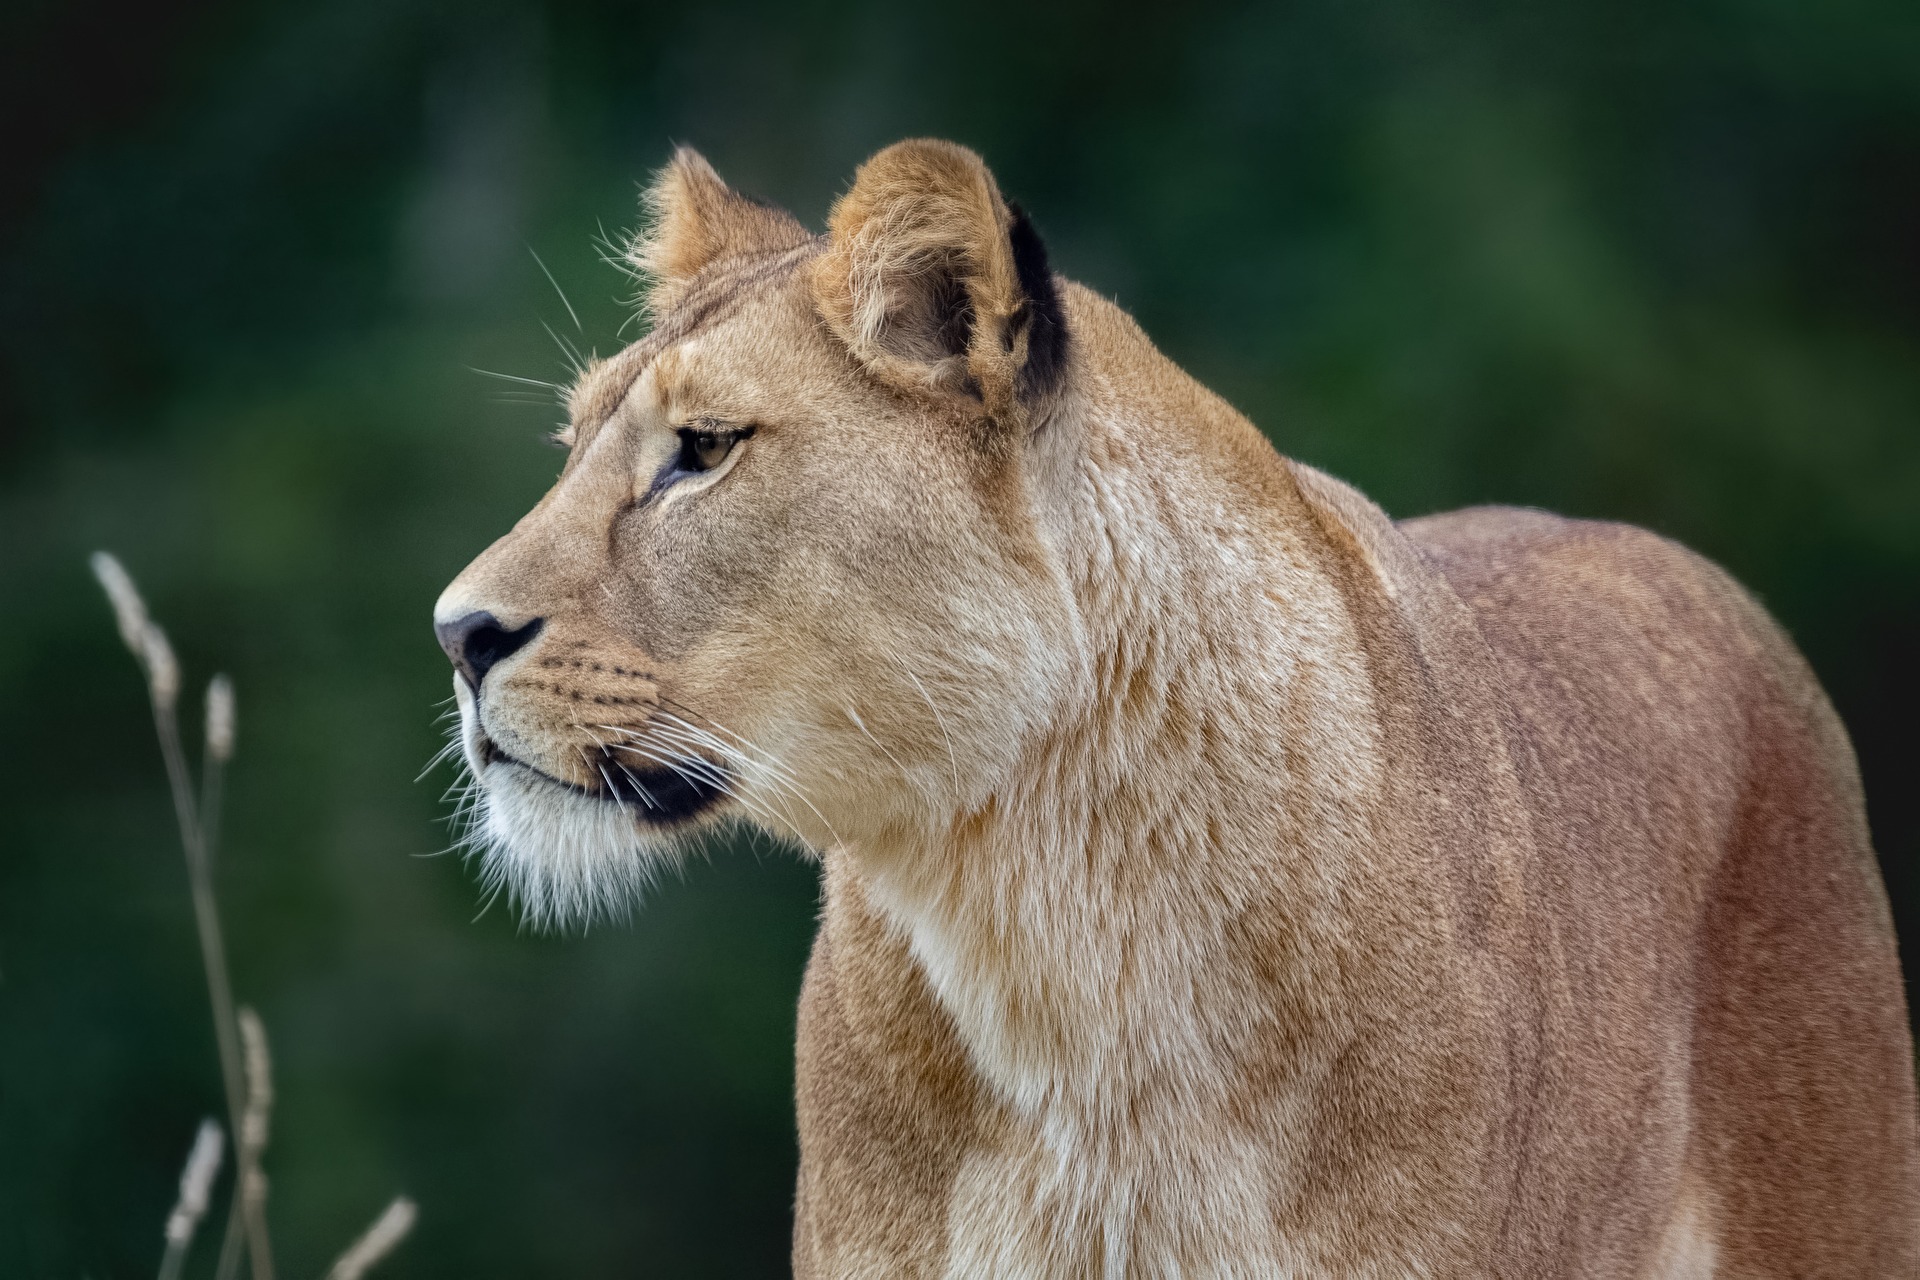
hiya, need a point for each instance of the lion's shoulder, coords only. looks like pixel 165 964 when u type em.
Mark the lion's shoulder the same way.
pixel 1632 667
pixel 1552 584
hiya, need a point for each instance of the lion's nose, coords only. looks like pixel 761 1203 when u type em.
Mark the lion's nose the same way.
pixel 477 641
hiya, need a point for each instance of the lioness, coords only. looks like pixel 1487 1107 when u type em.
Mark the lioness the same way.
pixel 1221 879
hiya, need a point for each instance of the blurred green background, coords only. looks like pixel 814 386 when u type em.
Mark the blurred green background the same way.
pixel 1651 261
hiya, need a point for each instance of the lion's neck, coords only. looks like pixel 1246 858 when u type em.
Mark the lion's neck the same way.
pixel 1084 927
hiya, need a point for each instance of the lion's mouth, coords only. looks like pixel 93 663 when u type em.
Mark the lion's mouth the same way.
pixel 660 795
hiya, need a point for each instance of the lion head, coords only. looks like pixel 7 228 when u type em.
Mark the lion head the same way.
pixel 801 567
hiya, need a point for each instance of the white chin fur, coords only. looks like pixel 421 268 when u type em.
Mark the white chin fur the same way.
pixel 563 859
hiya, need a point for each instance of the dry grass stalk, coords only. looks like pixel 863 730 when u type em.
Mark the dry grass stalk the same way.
pixel 196 1189
pixel 253 1142
pixel 149 644
pixel 221 718
pixel 386 1233
pixel 247 1220
pixel 129 610
pixel 163 669
pixel 247 1077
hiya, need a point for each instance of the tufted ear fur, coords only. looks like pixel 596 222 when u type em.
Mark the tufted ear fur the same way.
pixel 694 219
pixel 940 286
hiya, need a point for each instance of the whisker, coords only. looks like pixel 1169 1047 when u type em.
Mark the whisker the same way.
pixel 576 364
pixel 439 757
pixel 784 783
pixel 613 792
pixel 614 254
pixel 557 289
pixel 710 775
pixel 645 795
pixel 705 773
pixel 514 377
pixel 937 719
pixel 661 734
pixel 639 786
pixel 486 904
pixel 861 725
pixel 705 734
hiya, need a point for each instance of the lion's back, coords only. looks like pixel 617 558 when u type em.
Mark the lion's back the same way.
pixel 1715 904
pixel 1631 665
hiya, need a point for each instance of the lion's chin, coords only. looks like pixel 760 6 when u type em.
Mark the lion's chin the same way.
pixel 564 858
pixel 565 855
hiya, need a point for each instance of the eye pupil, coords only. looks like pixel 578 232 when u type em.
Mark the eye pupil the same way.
pixel 705 450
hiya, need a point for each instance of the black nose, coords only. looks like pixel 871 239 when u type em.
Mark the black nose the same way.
pixel 477 641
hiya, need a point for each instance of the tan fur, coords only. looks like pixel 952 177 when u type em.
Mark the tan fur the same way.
pixel 694 221
pixel 1220 878
pixel 913 210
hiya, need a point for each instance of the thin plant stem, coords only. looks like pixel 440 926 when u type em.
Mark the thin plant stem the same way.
pixel 196 1184
pixel 174 1258
pixel 206 913
pixel 253 1141
pixel 212 786
pixel 248 1104
pixel 385 1235
pixel 233 1245
pixel 248 1079
pixel 213 957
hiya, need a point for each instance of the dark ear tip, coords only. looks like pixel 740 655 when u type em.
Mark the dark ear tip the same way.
pixel 1045 317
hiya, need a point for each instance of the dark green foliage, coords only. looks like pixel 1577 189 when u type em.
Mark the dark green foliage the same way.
pixel 1659 262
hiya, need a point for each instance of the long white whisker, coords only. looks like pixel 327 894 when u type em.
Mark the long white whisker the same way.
pixel 703 774
pixel 698 741
pixel 645 795
pixel 706 774
pixel 710 775
pixel 444 753
pixel 557 289
pixel 783 783
pixel 766 760
pixel 613 792
pixel 514 377
pixel 686 737
pixel 709 719
pixel 576 363
pixel 493 895
pixel 937 719
pixel 638 785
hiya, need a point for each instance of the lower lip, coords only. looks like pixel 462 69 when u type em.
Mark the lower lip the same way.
pixel 657 795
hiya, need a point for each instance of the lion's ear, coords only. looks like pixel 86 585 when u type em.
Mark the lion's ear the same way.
pixel 695 219
pixel 937 284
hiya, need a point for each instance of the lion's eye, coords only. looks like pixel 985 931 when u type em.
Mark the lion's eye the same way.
pixel 705 450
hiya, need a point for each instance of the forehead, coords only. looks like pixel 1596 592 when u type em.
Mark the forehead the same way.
pixel 729 323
